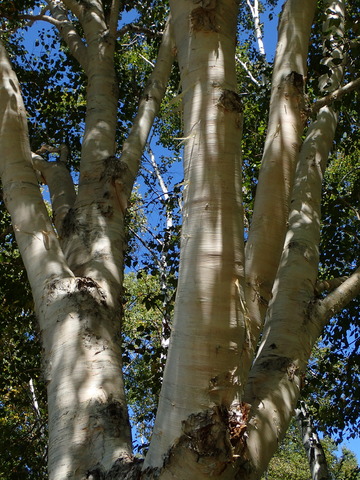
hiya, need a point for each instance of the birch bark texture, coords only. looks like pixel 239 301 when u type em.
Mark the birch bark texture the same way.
pixel 202 375
pixel 227 398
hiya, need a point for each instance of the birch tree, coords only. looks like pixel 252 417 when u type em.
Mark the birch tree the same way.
pixel 249 307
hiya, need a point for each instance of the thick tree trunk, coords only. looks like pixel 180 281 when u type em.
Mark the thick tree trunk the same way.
pixel 79 318
pixel 204 427
pixel 290 330
pixel 202 377
pixel 286 124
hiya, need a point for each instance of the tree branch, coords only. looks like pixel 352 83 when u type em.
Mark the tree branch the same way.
pixel 245 67
pixel 34 232
pixel 335 95
pixel 280 156
pixel 75 7
pixel 336 300
pixel 69 34
pixel 59 181
pixel 148 107
pixel 131 27
pixel 44 18
pixel 254 9
pixel 113 18
pixel 329 285
pixel 312 445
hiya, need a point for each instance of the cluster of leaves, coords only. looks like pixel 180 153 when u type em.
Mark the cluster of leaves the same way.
pixel 144 351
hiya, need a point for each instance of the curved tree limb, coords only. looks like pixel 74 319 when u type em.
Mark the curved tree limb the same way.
pixel 335 301
pixel 277 172
pixel 149 106
pixel 114 17
pixel 77 8
pixel 328 285
pixel 132 27
pixel 59 181
pixel 69 34
pixel 335 95
pixel 33 229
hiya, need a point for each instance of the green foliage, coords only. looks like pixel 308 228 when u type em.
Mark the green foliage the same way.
pixel 143 351
pixel 290 461
pixel 23 427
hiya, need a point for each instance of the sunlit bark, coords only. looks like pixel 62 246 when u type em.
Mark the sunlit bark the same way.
pixel 202 376
pixel 79 319
pixel 290 331
pixel 283 141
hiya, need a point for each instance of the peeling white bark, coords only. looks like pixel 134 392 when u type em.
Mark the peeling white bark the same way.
pixel 290 329
pixel 79 319
pixel 209 328
pixel 283 141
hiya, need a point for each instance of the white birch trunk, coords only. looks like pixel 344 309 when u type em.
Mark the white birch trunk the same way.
pixel 79 320
pixel 283 141
pixel 76 277
pixel 290 331
pixel 202 377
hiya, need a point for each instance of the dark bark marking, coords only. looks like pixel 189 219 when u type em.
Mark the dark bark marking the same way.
pixel 95 473
pixel 112 176
pixel 207 434
pixel 276 363
pixel 88 286
pixel 115 417
pixel 125 467
pixel 69 224
pixel 203 20
pixel 207 4
pixel 230 101
pixel 114 169
pixel 297 80
pixel 302 249
pixel 281 364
